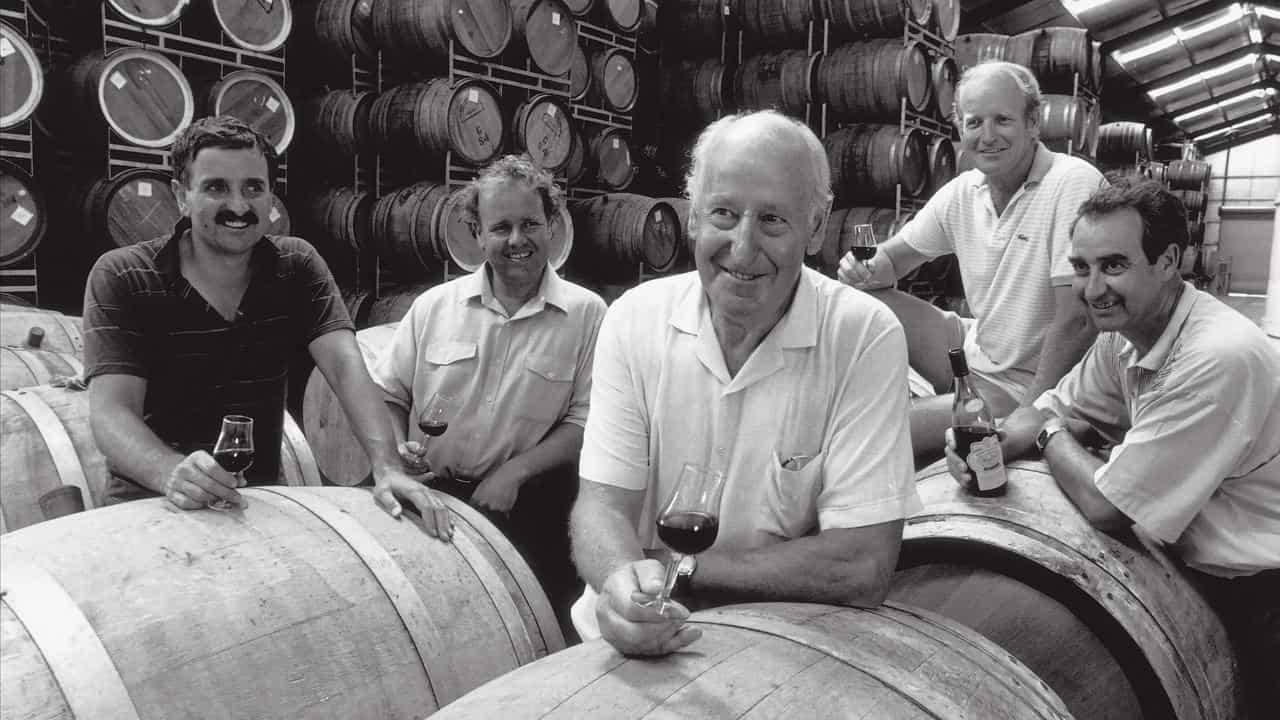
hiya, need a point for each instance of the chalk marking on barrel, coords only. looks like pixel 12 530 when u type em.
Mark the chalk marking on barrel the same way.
pixel 62 451
pixel 391 578
pixel 89 680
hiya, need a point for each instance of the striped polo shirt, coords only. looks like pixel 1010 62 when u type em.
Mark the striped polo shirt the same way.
pixel 1009 262
pixel 142 318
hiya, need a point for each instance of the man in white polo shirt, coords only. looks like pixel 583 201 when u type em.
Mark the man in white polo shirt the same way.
pixel 1193 388
pixel 1007 222
pixel 788 382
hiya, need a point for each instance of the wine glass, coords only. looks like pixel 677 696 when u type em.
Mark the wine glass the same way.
pixel 690 520
pixel 233 451
pixel 863 243
pixel 436 414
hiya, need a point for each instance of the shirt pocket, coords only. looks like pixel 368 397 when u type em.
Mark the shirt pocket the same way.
pixel 548 385
pixel 453 364
pixel 790 507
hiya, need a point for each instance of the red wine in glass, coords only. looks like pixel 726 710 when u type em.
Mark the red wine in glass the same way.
pixel 690 520
pixel 233 450
pixel 862 253
pixel 439 409
pixel 434 428
pixel 234 461
pixel 688 533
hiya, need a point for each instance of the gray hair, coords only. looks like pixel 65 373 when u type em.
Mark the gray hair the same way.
pixel 775 125
pixel 1019 74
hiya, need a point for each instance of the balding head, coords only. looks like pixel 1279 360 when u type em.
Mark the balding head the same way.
pixel 1000 71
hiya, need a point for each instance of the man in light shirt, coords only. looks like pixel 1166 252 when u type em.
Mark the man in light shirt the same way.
pixel 1007 220
pixel 512 343
pixel 788 382
pixel 1190 389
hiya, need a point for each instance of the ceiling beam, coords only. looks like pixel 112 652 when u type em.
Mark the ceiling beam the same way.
pixel 1262 84
pixel 1218 144
pixel 1156 29
pixel 1244 118
pixel 1199 67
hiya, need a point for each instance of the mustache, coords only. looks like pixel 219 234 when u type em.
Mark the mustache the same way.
pixel 250 217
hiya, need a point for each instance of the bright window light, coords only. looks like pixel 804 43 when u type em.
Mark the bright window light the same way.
pixel 1076 7
pixel 1237 126
pixel 1251 95
pixel 1204 75
pixel 1232 14
pixel 1125 57
pixel 1263 11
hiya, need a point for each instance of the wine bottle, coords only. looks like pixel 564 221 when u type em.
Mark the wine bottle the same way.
pixel 975 432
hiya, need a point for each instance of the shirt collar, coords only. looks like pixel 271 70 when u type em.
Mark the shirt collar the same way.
pixel 1040 166
pixel 1159 353
pixel 798 327
pixel 551 291
pixel 169 259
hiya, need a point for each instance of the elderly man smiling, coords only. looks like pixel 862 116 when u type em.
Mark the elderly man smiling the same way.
pixel 788 382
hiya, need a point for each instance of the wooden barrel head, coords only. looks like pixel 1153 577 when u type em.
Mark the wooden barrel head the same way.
pixel 611 153
pixel 542 128
pixel 782 80
pixel 261 25
pixel 260 102
pixel 459 236
pixel 21 78
pixel 623 14
pixel 579 8
pixel 22 215
pixel 613 75
pixel 946 18
pixel 134 206
pixel 661 237
pixel 473 122
pixel 974 48
pixel 406 227
pixel 549 32
pixel 944 74
pixel 144 97
pixel 482 27
pixel 152 13
pixel 864 81
pixel 942 163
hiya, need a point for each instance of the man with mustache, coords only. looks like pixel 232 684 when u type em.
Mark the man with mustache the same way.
pixel 182 330
pixel 1007 223
pixel 1190 389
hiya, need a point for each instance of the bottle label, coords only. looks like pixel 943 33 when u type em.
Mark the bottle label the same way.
pixel 987 463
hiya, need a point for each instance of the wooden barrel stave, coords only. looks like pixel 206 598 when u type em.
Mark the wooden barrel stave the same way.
pixel 405 227
pixel 340 121
pixel 870 161
pixel 695 87
pixel 132 207
pixel 863 81
pixel 618 232
pixel 21 78
pixel 1156 651
pixel 151 13
pixel 1062 117
pixel 610 151
pixel 946 18
pixel 300 572
pixel 338 454
pixel 579 75
pixel 613 79
pixel 407 30
pixel 1061 56
pixel 691 23
pixel 61 333
pixel 777 23
pixel 942 163
pixel 974 48
pixel 781 79
pixel 23 217
pixel 873 18
pixel 434 117
pixel 1188 174
pixel 343 28
pixel 944 73
pixel 1121 142
pixel 549 35
pixel 24 367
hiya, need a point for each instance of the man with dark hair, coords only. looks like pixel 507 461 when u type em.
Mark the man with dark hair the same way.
pixel 183 330
pixel 513 344
pixel 1189 390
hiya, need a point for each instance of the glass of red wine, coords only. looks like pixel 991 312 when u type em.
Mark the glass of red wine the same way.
pixel 436 414
pixel 234 450
pixel 690 519
pixel 863 243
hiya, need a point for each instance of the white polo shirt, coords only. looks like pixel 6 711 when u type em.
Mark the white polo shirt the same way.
pixel 1199 466
pixel 1009 262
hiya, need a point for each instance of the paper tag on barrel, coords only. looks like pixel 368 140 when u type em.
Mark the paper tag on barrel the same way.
pixel 987 462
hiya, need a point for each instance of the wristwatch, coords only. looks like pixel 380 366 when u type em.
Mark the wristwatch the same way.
pixel 1051 427
pixel 684 576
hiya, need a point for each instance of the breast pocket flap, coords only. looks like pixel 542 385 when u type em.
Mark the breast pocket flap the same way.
pixel 447 353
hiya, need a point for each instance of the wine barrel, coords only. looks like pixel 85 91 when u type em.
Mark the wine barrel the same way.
pixel 1121 142
pixel 694 90
pixel 1192 200
pixel 647 38
pixel 323 606
pixel 541 128
pixel 975 48
pixel 839 235
pixel 258 25
pixel 140 93
pixel 259 101
pixel 21 78
pixel 464 250
pixel 622 231
pixel 944 73
pixel 781 79
pixel 406 227
pixel 1188 174
pixel 393 304
pixel 942 163
pixel 151 13
pixel 873 18
pixel 579 8
pixel 578 165
pixel 340 122
pixel 1108 621
pixel 623 14
pixel 358 303
pixel 22 215
pixel 1060 56
pixel 1092 125
pixel 24 367
pixel 777 23
pixel 338 226
pixel 406 30
pixel 344 28
pixel 134 206
pixel 47 442
pixel 863 81
pixel 782 660
pixel 1063 117
pixel 946 18
pixel 684 246
pixel 339 456
pixel 613 78
pixel 693 23
pixel 1156 171
pixel 435 117
pixel 579 75
pixel 611 158
pixel 550 35
pixel 870 161
pixel 57 332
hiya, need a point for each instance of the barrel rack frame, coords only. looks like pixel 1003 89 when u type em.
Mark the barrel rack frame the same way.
pixel 17 146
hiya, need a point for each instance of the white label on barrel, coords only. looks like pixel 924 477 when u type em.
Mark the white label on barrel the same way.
pixel 473 95
pixel 274 215
pixel 144 188
pixel 551 110
pixel 21 215
pixel 555 19
pixel 22 193
pixel 6 47
pixel 273 104
pixel 118 80
pixel 615 143
pixel 726 8
pixel 657 216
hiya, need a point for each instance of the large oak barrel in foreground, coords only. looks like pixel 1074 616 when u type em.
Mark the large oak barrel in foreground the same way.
pixel 1108 621
pixel 775 660
pixel 46 441
pixel 309 603
pixel 24 367
pixel 57 332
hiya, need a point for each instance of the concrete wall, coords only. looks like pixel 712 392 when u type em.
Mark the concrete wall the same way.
pixel 1246 176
